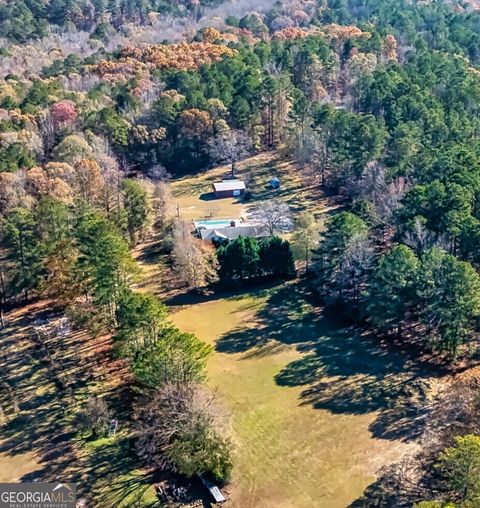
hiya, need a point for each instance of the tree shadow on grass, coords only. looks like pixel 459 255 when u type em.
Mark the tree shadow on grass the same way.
pixel 385 492
pixel 46 421
pixel 342 370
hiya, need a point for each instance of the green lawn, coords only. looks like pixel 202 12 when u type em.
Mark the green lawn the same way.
pixel 316 409
pixel 194 198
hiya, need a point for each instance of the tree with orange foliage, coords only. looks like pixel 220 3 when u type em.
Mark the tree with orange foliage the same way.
pixel 389 48
pixel 37 182
pixel 196 125
pixel 138 61
pixel 88 180
pixel 40 183
pixel 210 35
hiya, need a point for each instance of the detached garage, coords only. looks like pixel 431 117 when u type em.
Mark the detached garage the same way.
pixel 229 188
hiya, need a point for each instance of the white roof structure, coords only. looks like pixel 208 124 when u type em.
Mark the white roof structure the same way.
pixel 210 234
pixel 217 495
pixel 214 490
pixel 229 185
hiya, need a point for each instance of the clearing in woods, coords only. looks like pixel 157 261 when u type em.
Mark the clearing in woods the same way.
pixel 316 408
pixel 195 200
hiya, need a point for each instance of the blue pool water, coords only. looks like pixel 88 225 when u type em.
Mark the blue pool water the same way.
pixel 213 223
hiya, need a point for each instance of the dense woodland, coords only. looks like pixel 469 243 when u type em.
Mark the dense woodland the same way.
pixel 30 19
pixel 379 101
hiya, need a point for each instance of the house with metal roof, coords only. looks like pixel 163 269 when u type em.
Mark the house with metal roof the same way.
pixel 229 188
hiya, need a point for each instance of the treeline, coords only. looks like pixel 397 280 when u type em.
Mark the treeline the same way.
pixel 429 296
pixel 199 108
pixel 165 116
pixel 409 167
pixel 79 255
pixel 438 25
pixel 66 250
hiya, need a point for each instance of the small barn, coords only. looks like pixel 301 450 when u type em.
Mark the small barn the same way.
pixel 229 188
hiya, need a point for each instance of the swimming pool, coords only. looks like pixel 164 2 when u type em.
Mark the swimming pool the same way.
pixel 217 223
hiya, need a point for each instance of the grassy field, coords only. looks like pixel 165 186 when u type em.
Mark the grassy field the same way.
pixel 194 198
pixel 316 409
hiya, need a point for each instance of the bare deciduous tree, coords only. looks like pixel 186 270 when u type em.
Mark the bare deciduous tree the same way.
pixel 230 148
pixel 194 260
pixel 275 216
pixel 159 173
pixel 419 237
pixel 181 428
pixel 353 267
pixel 380 196
pixel 383 192
pixel 171 408
pixel 13 191
pixel 95 416
pixel 163 205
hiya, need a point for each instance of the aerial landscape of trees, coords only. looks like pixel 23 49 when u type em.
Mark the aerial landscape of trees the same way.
pixel 376 103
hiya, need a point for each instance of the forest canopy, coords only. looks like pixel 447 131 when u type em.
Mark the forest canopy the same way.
pixel 375 103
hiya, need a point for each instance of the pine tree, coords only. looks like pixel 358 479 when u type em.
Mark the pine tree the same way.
pixel 392 289
pixel 449 293
pixel 137 209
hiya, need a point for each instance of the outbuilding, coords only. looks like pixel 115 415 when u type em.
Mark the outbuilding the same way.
pixel 275 183
pixel 229 188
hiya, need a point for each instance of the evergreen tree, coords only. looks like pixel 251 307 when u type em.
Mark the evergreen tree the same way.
pixel 276 258
pixel 175 357
pixel 105 264
pixel 238 260
pixel 392 289
pixel 56 247
pixel 19 233
pixel 140 319
pixel 459 466
pixel 137 209
pixel 449 292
